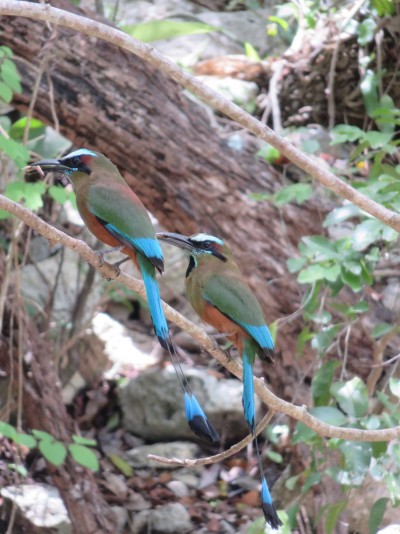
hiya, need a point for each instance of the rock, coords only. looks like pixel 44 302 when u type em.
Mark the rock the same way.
pixel 178 449
pixel 41 506
pixel 122 517
pixel 390 529
pixel 239 91
pixel 168 519
pixel 153 407
pixel 390 296
pixel 178 488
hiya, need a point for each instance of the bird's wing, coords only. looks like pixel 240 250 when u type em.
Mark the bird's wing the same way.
pixel 233 297
pixel 124 216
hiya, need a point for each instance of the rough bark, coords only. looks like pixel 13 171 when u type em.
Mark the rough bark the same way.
pixel 43 409
pixel 177 162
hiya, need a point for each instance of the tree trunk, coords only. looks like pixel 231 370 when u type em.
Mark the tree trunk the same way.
pixel 164 144
pixel 43 409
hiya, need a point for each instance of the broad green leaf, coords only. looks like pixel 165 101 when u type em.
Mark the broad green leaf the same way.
pixel 384 7
pixel 352 396
pixel 321 382
pixel 25 439
pixel 281 22
pixel 376 515
pixel 378 139
pixel 58 193
pixel 360 307
pixel 36 127
pixel 6 51
pixel 358 456
pixel 269 153
pixel 15 190
pixel 312 479
pixel 121 464
pixel 6 93
pixel 369 90
pixel 19 468
pixel 316 272
pixel 251 52
pixel 327 414
pixel 367 233
pixel 325 337
pixel 158 30
pixel 10 75
pixel 274 456
pixel 291 482
pixel 18 153
pixel 7 430
pixel 321 246
pixel 84 441
pixel 295 264
pixel 42 435
pixel 310 146
pixel 353 266
pixel 293 193
pixel 352 280
pixel 53 451
pixel 394 384
pixel 366 31
pixel 344 133
pixel 333 514
pixel 84 456
pixel 33 195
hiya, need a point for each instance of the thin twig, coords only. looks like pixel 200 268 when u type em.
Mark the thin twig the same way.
pixel 217 457
pixel 274 403
pixel 47 13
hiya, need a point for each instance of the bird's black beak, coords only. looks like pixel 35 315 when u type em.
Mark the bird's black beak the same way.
pixel 44 166
pixel 178 240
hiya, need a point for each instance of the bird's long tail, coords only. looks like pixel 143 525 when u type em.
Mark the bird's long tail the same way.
pixel 248 357
pixel 197 420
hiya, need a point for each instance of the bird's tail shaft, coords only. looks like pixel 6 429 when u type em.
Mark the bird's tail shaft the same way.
pixel 197 420
pixel 248 357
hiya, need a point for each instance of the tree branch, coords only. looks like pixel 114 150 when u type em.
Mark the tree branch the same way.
pixel 46 13
pixel 272 401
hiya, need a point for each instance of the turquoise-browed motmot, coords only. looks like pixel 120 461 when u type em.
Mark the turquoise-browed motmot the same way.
pixel 221 297
pixel 116 216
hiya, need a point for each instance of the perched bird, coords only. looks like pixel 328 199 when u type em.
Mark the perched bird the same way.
pixel 116 216
pixel 218 293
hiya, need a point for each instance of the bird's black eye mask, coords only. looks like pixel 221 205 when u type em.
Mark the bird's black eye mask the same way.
pixel 207 247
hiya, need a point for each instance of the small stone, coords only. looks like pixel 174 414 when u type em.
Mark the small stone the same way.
pixel 178 488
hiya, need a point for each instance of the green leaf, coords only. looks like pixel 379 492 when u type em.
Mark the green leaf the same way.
pixel 329 415
pixel 33 195
pixel 6 51
pixel 19 468
pixel 367 233
pixel 384 7
pixel 157 30
pixel 357 456
pixel 251 52
pixel 321 246
pixel 366 31
pixel 316 272
pixel 84 441
pixel 36 127
pixel 121 464
pixel 43 436
pixel 343 133
pixel 6 93
pixel 322 381
pixel 274 456
pixel 369 90
pixel 376 515
pixel 352 396
pixel 281 22
pixel 84 456
pixel 352 280
pixel 10 75
pixel 378 139
pixel 7 430
pixel 394 384
pixel 18 153
pixel 269 153
pixel 295 264
pixel 295 192
pixel 332 517
pixel 312 479
pixel 324 338
pixel 58 193
pixel 25 439
pixel 53 451
pixel 338 215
